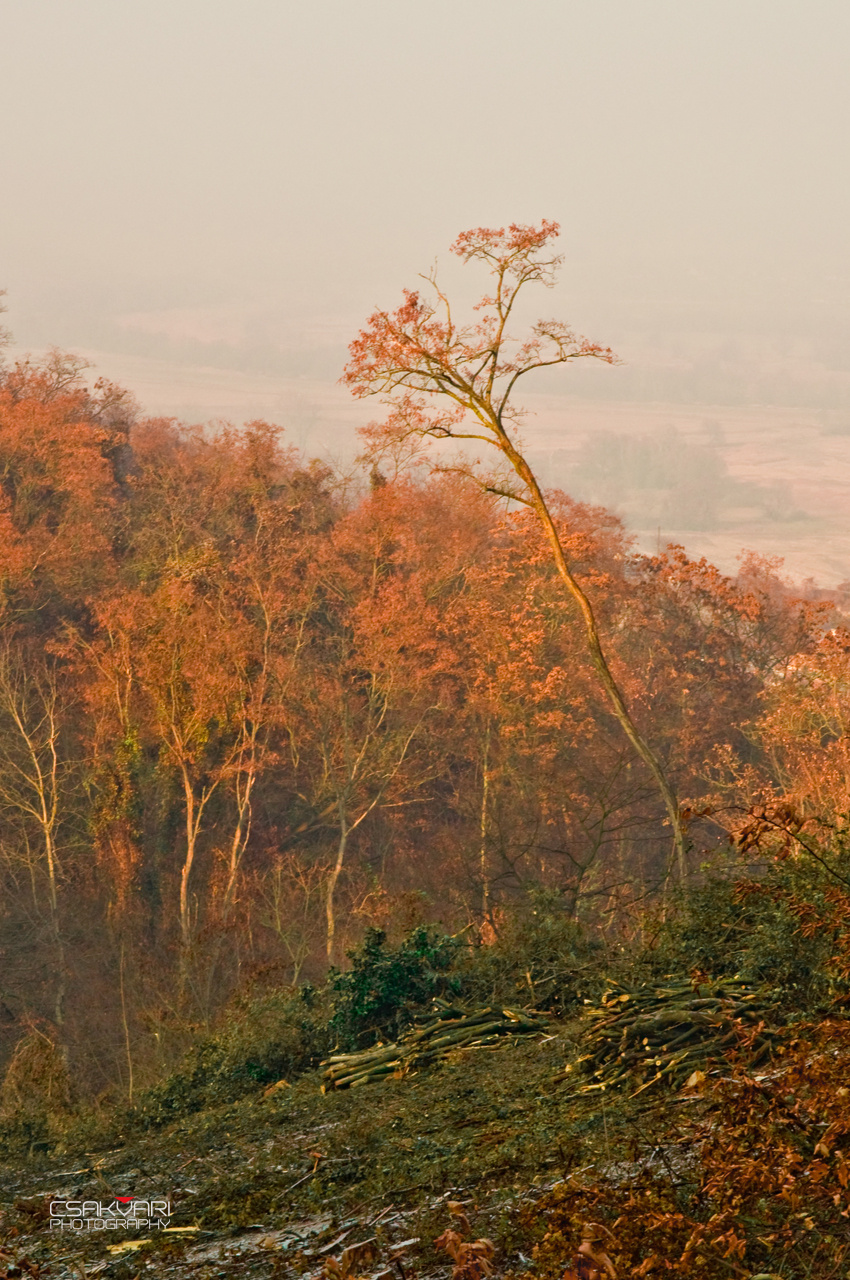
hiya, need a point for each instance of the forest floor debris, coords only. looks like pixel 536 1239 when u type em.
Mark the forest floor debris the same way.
pixel 664 1032
pixel 283 1182
pixel 305 1185
pixel 448 1029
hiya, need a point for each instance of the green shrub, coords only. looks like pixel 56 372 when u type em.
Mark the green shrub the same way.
pixel 385 986
pixel 755 933
pixel 274 1037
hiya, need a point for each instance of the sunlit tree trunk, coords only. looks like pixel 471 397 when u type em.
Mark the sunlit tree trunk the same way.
pixel 362 761
pixel 616 699
pixel 333 880
pixel 194 806
pixel 33 786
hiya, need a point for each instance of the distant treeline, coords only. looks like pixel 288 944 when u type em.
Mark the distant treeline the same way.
pixel 665 479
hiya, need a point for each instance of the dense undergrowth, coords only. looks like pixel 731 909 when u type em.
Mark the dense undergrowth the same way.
pixel 540 958
pixel 743 1171
pixel 730 924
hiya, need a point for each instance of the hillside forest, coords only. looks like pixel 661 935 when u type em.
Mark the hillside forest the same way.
pixel 287 751
pixel 250 707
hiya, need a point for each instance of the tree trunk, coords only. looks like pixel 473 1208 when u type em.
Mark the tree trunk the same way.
pixel 615 696
pixel 485 791
pixel 332 883
pixel 186 870
pixel 241 834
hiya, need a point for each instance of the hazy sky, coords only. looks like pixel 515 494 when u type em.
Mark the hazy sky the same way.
pixel 209 197
pixel 238 159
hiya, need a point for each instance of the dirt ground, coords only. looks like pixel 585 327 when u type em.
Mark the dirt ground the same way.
pixel 275 1185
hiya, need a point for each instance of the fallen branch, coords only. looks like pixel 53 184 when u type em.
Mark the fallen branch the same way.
pixel 660 1034
pixel 447 1030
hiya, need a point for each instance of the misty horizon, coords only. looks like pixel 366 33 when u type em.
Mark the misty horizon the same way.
pixel 216 199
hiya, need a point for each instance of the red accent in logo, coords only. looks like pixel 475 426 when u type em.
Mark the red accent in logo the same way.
pixel 125 1199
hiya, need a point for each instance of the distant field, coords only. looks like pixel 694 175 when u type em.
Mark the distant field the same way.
pixel 798 458
pixel 796 455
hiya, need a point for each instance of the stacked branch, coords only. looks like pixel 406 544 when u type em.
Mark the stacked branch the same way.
pixel 447 1029
pixel 662 1034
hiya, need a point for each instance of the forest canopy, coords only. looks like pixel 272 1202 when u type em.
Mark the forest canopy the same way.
pixel 249 708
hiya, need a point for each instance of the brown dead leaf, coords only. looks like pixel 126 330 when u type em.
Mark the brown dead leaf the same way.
pixel 455 1208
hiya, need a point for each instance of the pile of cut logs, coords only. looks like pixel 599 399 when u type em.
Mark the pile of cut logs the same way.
pixel 447 1029
pixel 663 1033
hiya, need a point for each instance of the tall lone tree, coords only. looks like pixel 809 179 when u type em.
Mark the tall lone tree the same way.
pixel 419 357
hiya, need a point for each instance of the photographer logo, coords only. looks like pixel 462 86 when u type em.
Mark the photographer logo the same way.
pixel 122 1212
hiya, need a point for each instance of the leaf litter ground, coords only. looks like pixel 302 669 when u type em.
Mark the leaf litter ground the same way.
pixel 293 1181
pixel 277 1183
